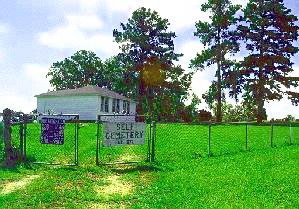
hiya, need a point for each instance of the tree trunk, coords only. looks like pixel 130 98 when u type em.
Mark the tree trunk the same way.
pixel 150 102
pixel 140 96
pixel 261 81
pixel 218 74
pixel 218 95
pixel 260 99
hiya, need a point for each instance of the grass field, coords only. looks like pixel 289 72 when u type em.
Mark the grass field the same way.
pixel 182 177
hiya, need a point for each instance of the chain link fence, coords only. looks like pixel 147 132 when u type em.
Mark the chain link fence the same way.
pixel 173 141
pixel 178 140
pixel 187 141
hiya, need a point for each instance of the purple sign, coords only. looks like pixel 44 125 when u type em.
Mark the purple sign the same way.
pixel 52 131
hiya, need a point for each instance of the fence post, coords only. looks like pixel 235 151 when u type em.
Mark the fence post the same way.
pixel 271 136
pixel 8 149
pixel 97 148
pixel 21 134
pixel 246 145
pixel 149 142
pixel 25 137
pixel 76 142
pixel 209 141
pixel 153 142
pixel 291 134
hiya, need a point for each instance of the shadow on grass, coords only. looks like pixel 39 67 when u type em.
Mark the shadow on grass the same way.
pixel 123 169
pixel 4 167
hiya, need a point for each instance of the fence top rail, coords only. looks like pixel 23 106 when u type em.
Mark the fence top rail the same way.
pixel 293 124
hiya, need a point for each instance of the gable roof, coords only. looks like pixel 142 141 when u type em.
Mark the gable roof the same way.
pixel 84 91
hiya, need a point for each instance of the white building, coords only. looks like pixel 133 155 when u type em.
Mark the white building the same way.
pixel 88 102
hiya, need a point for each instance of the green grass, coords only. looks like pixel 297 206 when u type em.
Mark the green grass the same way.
pixel 182 177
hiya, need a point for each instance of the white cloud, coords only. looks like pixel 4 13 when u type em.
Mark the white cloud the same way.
pixel 79 32
pixel 21 95
pixel 189 49
pixel 4 32
pixel 4 28
pixel 36 75
pixel 280 109
pixel 85 22
pixel 180 14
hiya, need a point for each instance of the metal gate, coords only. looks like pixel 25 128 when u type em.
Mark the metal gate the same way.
pixel 41 140
pixel 128 152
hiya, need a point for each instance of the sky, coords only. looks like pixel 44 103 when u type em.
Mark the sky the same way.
pixel 35 33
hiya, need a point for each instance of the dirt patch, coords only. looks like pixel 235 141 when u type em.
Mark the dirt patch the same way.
pixel 129 158
pixel 107 206
pixel 115 186
pixel 13 186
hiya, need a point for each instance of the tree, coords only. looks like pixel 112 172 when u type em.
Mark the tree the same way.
pixel 82 69
pixel 269 29
pixel 148 49
pixel 117 78
pixel 219 41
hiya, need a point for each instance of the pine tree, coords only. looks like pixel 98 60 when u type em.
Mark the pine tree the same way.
pixel 269 30
pixel 148 50
pixel 218 37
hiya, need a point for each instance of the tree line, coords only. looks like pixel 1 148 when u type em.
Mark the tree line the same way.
pixel 146 68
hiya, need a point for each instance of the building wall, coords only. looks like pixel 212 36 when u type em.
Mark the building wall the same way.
pixel 85 106
pixel 88 107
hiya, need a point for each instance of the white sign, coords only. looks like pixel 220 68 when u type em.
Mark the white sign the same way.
pixel 121 133
pixel 117 118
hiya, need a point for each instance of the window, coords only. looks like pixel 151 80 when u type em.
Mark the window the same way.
pixel 106 104
pixel 126 107
pixel 117 106
pixel 102 104
pixel 113 105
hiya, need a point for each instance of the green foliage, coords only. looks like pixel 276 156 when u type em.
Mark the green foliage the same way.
pixel 81 69
pixel 148 53
pixel 290 118
pixel 118 79
pixel 218 37
pixel 239 112
pixel 144 36
pixel 269 30
pixel 85 68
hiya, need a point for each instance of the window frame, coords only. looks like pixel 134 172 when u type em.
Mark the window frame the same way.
pixel 102 104
pixel 117 107
pixel 106 109
pixel 113 105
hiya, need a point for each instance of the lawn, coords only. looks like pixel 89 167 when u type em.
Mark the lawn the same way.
pixel 182 176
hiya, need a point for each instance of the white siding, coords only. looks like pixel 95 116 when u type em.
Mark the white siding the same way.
pixel 85 106
pixel 88 107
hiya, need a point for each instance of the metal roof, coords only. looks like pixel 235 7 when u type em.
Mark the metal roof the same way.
pixel 84 91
